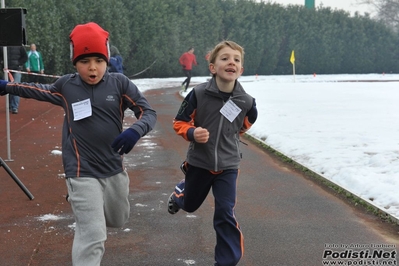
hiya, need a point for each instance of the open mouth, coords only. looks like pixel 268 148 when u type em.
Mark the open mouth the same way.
pixel 92 78
pixel 230 70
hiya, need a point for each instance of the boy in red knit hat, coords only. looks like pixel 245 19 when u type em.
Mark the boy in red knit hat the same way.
pixel 93 141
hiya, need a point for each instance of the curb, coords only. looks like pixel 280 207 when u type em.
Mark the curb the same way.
pixel 353 197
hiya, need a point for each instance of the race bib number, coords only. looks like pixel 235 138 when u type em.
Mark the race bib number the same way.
pixel 230 110
pixel 81 109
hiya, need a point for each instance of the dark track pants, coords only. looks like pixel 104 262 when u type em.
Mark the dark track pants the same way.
pixel 187 73
pixel 191 193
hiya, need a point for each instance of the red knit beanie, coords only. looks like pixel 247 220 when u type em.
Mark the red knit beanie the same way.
pixel 89 40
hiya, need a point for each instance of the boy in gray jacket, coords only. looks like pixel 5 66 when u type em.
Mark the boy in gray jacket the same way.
pixel 93 140
pixel 211 118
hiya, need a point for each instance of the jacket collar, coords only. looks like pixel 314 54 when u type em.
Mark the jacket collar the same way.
pixel 212 87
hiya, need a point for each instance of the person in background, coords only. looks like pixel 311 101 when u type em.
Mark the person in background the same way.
pixel 16 58
pixel 93 144
pixel 208 54
pixel 187 60
pixel 115 61
pixel 211 118
pixel 34 64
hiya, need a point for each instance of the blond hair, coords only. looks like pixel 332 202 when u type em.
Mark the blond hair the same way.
pixel 223 44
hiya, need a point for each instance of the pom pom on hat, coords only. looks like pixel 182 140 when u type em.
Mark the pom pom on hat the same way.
pixel 89 40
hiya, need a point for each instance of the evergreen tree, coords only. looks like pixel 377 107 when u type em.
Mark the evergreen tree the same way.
pixel 325 40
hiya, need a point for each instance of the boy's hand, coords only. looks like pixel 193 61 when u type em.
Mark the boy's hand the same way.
pixel 201 135
pixel 3 85
pixel 125 142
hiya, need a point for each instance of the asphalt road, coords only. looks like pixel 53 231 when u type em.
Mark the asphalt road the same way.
pixel 286 218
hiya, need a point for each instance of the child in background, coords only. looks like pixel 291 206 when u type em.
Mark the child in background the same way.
pixel 208 54
pixel 212 117
pixel 93 141
pixel 115 61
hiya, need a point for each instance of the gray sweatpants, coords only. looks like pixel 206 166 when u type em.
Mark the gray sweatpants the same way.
pixel 97 203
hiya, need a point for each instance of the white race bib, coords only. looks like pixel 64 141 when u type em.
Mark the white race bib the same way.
pixel 81 109
pixel 230 110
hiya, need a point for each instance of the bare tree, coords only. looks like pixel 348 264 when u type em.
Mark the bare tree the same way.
pixel 386 11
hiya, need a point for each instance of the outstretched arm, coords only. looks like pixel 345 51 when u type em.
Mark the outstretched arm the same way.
pixel 37 91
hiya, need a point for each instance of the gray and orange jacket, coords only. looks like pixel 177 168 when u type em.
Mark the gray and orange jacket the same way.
pixel 201 108
pixel 86 143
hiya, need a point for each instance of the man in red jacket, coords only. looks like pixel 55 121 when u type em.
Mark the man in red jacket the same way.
pixel 187 60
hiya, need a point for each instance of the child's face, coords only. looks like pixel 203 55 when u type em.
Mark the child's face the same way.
pixel 91 69
pixel 227 65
